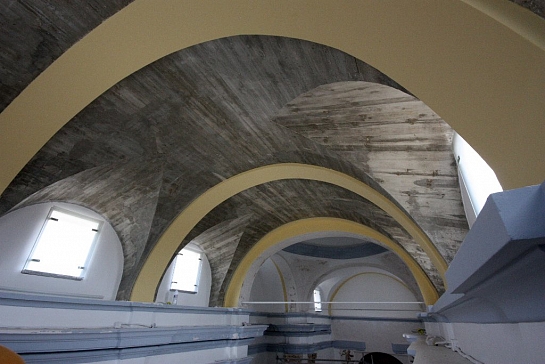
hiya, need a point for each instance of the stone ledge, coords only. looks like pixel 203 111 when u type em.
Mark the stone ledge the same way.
pixel 498 274
pixel 425 354
pixel 44 301
pixel 48 341
pixel 305 348
pixel 92 356
pixel 298 330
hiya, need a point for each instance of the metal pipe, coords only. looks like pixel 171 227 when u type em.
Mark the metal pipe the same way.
pixel 312 302
pixel 318 360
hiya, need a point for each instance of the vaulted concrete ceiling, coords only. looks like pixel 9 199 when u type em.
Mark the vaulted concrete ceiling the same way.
pixel 144 150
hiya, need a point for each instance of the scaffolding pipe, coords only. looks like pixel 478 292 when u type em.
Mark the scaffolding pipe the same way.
pixel 312 302
pixel 305 360
pixel 309 360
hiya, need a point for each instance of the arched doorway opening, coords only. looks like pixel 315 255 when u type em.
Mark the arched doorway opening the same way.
pixel 379 358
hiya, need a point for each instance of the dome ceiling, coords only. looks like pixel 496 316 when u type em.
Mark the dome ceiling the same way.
pixel 332 251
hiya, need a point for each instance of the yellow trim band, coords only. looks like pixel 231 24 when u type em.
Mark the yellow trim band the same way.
pixel 284 290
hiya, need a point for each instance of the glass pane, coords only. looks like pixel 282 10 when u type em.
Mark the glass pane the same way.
pixel 64 245
pixel 186 271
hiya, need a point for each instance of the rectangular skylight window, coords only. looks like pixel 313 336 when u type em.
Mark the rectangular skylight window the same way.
pixel 187 270
pixel 63 246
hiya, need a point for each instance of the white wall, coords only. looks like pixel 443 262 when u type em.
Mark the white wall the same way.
pixel 477 179
pixel 373 287
pixel 201 298
pixel 268 287
pixel 502 343
pixel 18 233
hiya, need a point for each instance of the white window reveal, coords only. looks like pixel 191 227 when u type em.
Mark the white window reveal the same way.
pixel 64 245
pixel 477 179
pixel 317 300
pixel 187 271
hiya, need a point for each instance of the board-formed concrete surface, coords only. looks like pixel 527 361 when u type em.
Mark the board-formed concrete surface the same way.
pixel 146 148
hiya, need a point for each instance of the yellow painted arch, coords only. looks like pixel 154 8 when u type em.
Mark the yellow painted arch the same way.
pixel 477 63
pixel 150 275
pixel 323 224
pixel 283 283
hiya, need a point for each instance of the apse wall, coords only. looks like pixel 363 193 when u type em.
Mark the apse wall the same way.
pixel 18 233
pixel 371 287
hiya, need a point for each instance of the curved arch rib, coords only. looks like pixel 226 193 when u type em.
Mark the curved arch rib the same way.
pixel 149 277
pixel 323 224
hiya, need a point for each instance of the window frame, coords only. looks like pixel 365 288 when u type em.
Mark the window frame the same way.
pixel 83 268
pixel 198 275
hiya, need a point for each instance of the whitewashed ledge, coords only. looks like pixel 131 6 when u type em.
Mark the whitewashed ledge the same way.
pixel 21 310
pixel 42 341
pixel 429 354
pixel 92 345
pixel 45 329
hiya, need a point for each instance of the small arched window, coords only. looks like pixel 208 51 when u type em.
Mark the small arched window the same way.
pixel 187 271
pixel 317 300
pixel 64 245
